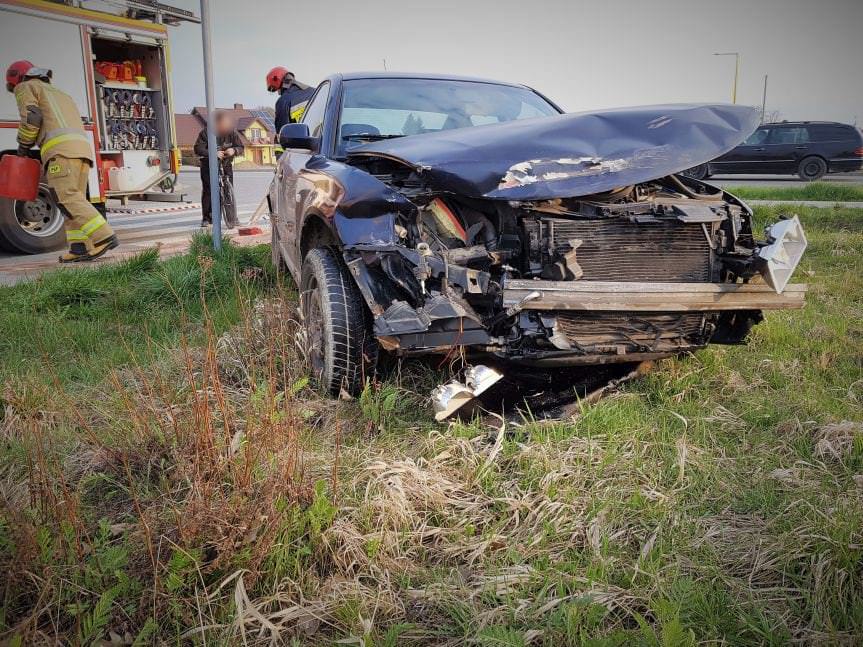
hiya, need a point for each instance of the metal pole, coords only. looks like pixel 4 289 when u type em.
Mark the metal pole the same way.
pixel 736 56
pixel 736 73
pixel 764 100
pixel 206 31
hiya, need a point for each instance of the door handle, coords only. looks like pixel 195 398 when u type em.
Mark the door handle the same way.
pixel 801 148
pixel 759 149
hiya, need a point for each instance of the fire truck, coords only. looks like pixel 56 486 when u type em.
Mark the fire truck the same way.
pixel 112 57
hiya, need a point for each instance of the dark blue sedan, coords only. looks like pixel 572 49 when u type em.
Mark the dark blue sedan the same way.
pixel 471 218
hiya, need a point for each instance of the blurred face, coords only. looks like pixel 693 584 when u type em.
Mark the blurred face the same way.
pixel 224 123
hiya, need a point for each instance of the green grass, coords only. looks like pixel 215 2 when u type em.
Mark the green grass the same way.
pixel 73 326
pixel 718 500
pixel 815 191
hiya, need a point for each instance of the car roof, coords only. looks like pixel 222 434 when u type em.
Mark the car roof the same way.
pixel 807 123
pixel 350 76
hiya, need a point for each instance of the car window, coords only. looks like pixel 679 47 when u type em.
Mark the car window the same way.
pixel 829 133
pixel 313 117
pixel 789 135
pixel 380 108
pixel 758 137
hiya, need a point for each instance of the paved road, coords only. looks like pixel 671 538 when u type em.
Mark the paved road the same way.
pixel 250 187
pixel 174 229
pixel 170 231
pixel 783 180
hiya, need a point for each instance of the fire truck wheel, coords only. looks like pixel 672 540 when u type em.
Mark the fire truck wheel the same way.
pixel 31 227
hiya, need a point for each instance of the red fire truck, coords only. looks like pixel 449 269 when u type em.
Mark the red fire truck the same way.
pixel 113 59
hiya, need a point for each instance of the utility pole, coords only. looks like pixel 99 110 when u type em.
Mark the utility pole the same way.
pixel 215 202
pixel 764 100
pixel 736 56
pixel 385 65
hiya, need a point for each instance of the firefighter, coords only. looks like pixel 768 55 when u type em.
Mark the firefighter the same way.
pixel 50 119
pixel 293 96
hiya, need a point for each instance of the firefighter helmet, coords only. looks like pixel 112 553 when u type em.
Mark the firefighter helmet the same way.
pixel 16 73
pixel 276 78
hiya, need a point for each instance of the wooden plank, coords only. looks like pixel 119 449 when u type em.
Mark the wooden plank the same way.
pixel 652 297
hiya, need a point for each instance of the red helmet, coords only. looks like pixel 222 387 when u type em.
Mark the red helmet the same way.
pixel 276 78
pixel 15 73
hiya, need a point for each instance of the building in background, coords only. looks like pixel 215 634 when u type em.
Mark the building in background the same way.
pixel 256 128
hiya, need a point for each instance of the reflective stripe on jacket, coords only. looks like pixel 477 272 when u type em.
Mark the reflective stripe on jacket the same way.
pixel 291 104
pixel 51 120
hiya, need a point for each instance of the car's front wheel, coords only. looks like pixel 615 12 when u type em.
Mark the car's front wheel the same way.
pixel 341 349
pixel 812 168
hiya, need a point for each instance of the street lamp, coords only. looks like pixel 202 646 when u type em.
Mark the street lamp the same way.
pixel 736 56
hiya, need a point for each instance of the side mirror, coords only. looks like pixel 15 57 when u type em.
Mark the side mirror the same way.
pixel 297 136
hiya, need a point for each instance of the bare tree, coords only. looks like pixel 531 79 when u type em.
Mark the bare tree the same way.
pixel 772 116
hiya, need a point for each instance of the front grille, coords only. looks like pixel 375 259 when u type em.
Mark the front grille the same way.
pixel 616 249
pixel 632 332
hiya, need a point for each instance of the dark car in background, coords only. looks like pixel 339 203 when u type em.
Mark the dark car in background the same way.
pixel 810 149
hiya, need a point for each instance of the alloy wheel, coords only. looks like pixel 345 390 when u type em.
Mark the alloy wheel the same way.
pixel 313 318
pixel 39 217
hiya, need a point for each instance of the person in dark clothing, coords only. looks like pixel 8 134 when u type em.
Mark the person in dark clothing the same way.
pixel 293 96
pixel 229 145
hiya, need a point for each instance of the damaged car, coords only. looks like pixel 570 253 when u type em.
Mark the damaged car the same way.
pixel 430 214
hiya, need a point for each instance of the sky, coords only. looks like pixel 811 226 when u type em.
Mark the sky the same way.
pixel 585 55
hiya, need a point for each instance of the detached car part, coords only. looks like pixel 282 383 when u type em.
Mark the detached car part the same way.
pixel 449 398
pixel 786 243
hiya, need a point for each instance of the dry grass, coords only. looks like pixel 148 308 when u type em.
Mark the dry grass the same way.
pixel 203 493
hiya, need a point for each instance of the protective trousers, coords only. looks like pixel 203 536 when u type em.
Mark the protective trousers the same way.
pixel 86 228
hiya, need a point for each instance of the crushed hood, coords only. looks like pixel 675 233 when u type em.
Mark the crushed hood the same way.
pixel 571 154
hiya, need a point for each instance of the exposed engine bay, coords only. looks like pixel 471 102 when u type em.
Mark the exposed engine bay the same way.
pixel 638 272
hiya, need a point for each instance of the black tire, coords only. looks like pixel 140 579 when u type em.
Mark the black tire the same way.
pixel 31 227
pixel 700 172
pixel 342 349
pixel 812 168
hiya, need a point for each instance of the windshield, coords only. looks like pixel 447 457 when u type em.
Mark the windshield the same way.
pixel 375 109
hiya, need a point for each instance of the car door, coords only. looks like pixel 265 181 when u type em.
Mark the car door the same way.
pixel 746 157
pixel 786 146
pixel 837 144
pixel 292 186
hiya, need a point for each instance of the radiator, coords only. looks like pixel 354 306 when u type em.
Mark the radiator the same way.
pixel 631 332
pixel 616 249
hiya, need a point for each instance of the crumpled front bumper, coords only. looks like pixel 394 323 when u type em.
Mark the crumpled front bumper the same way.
pixel 607 296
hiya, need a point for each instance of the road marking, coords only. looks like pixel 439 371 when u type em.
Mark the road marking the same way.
pixel 186 206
